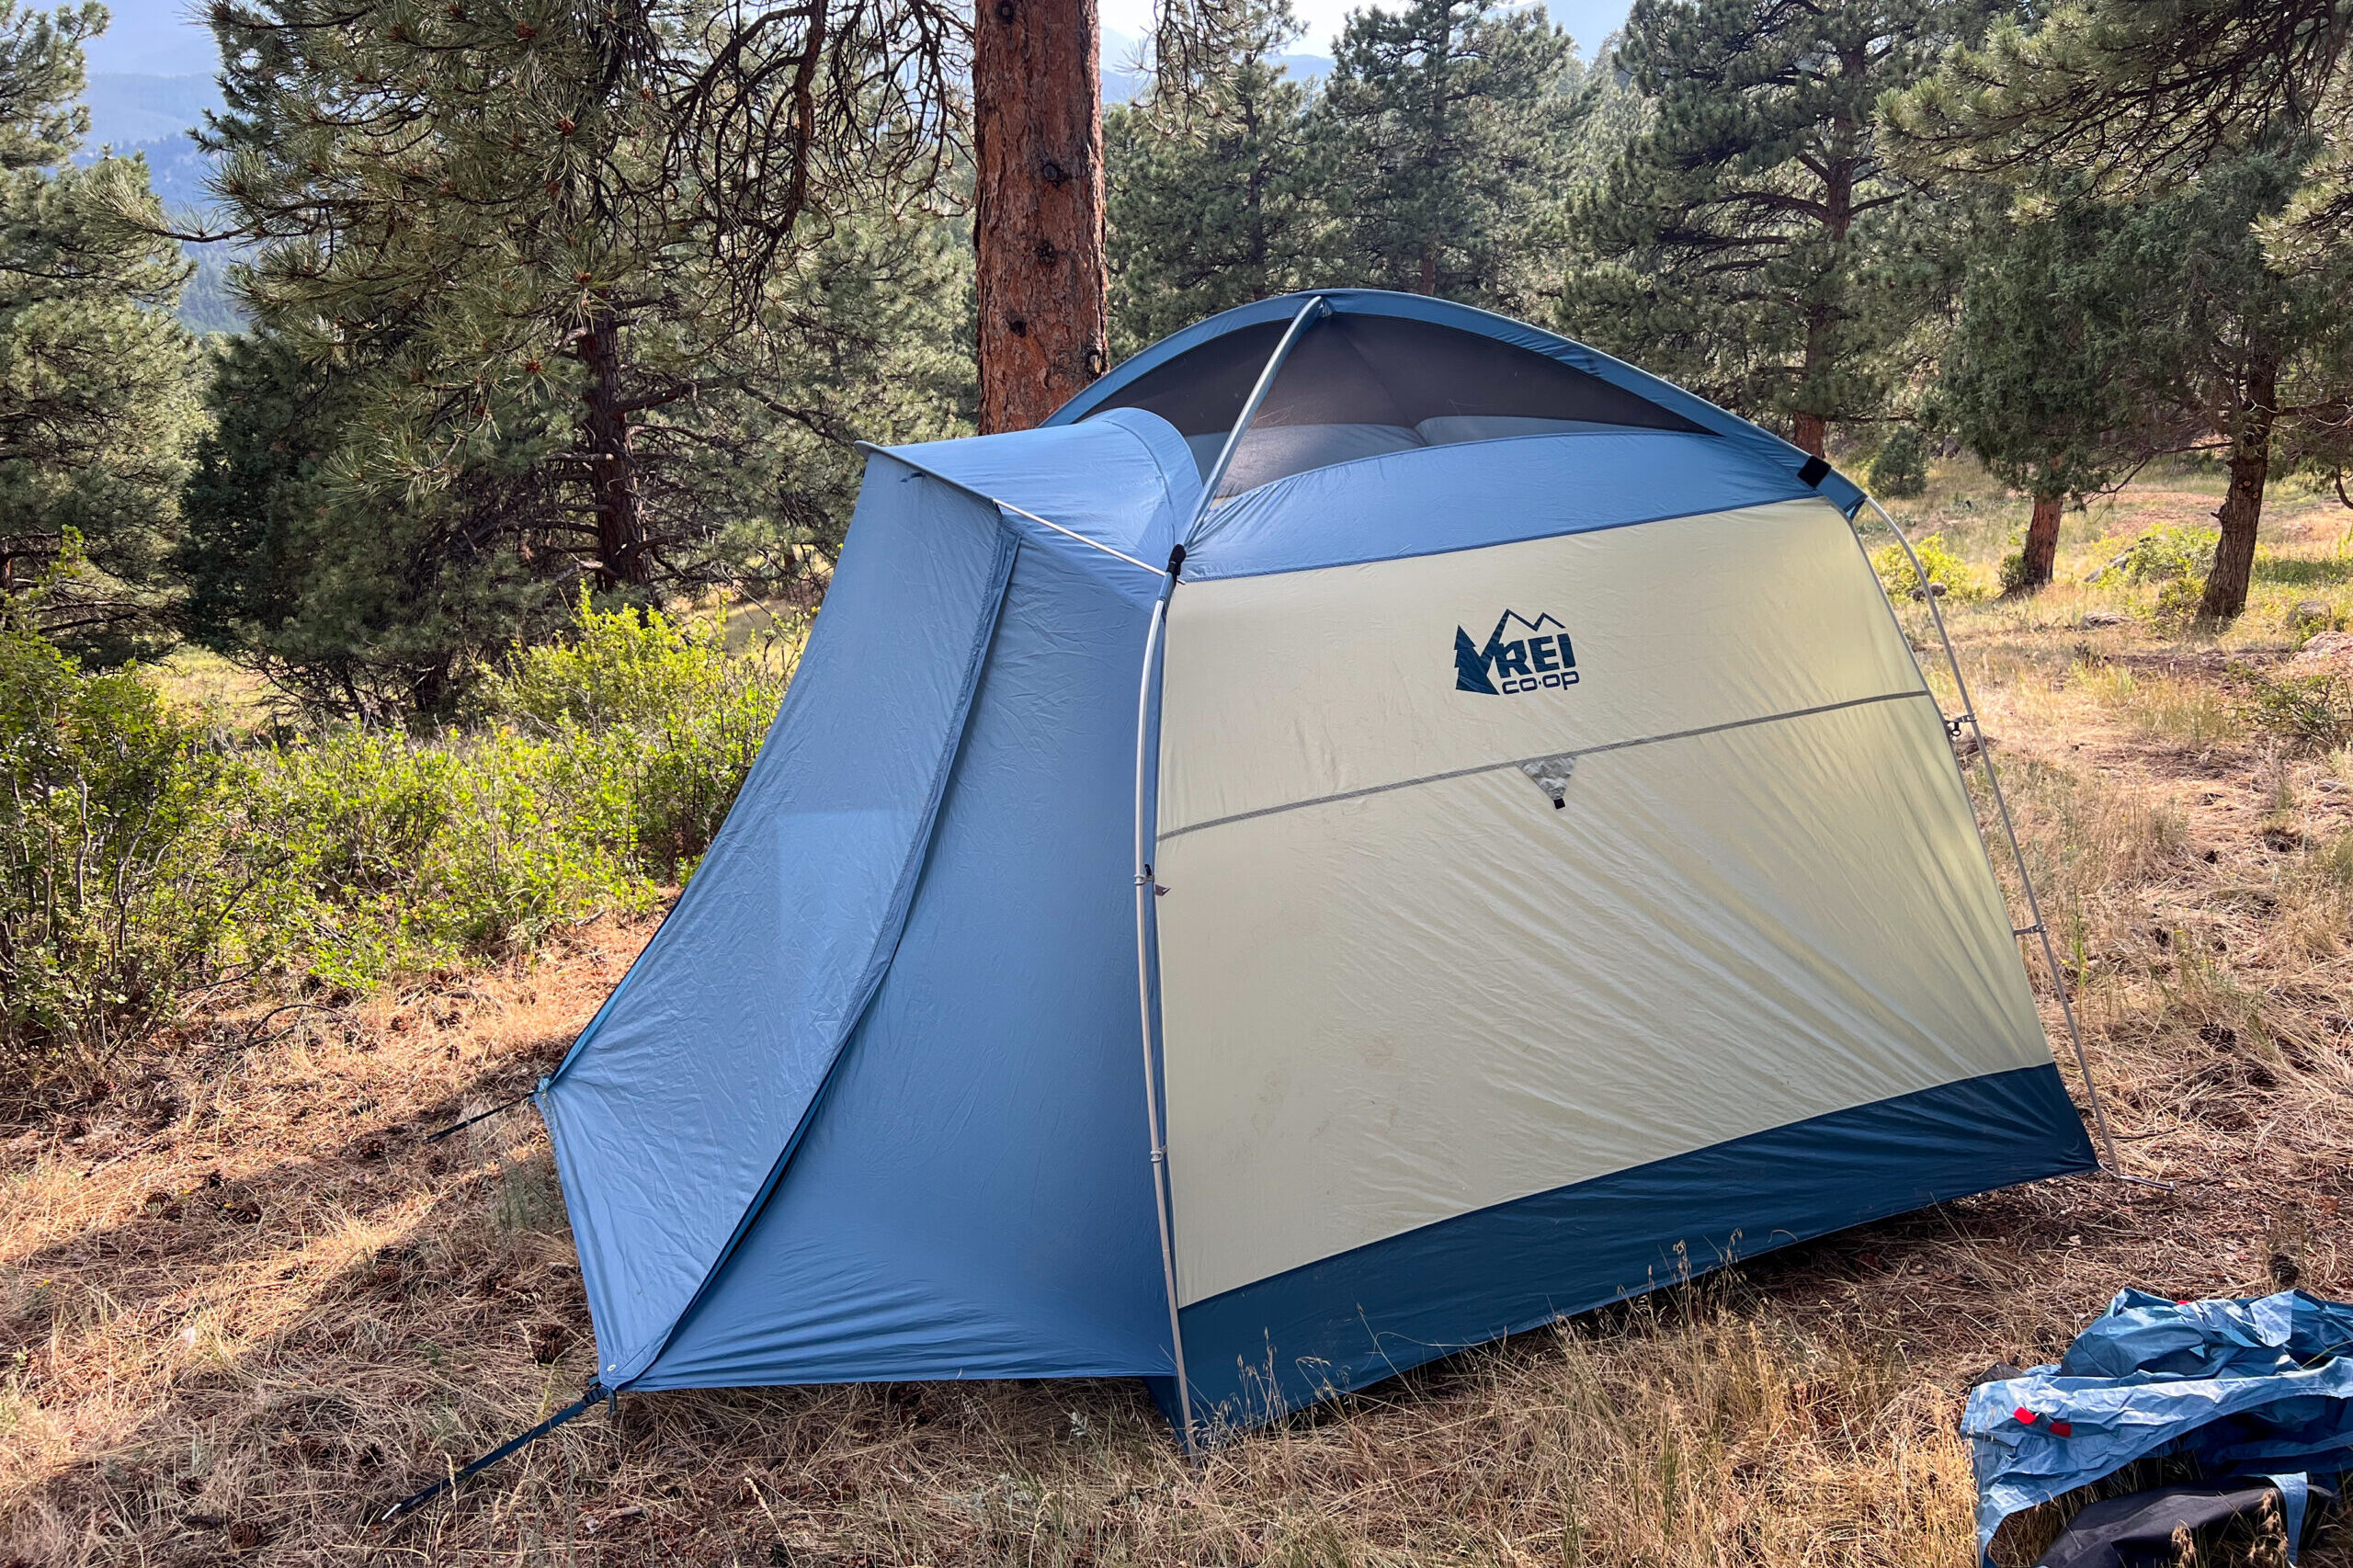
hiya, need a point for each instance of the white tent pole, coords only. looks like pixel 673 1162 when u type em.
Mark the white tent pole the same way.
pixel 1160 1195
pixel 1307 312
pixel 2040 928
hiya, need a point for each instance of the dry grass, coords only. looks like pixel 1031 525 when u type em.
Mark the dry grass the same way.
pixel 243 1301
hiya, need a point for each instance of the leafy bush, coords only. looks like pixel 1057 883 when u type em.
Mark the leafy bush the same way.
pixel 1900 468
pixel 2313 712
pixel 1958 580
pixel 142 864
pixel 2168 554
pixel 2177 602
pixel 2011 574
pixel 116 846
pixel 652 707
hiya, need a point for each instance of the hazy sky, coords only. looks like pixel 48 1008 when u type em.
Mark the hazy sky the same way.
pixel 163 36
pixel 1590 21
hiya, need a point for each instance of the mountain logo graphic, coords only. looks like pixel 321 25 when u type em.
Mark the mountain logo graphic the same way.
pixel 1538 658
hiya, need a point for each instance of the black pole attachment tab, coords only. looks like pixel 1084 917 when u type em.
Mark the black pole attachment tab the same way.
pixel 1177 561
pixel 410 1505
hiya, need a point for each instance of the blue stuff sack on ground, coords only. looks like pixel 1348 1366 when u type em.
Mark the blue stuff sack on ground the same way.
pixel 2257 1389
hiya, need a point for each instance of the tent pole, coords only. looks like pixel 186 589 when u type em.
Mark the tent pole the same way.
pixel 1307 312
pixel 2040 928
pixel 1161 1197
pixel 1159 1146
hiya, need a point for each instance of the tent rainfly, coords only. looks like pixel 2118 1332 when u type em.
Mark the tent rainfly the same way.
pixel 1540 863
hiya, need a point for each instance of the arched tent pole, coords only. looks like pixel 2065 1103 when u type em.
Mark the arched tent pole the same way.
pixel 1158 1139
pixel 2039 928
pixel 1307 312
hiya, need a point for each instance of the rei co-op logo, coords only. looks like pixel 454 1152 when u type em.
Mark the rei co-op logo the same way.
pixel 1537 657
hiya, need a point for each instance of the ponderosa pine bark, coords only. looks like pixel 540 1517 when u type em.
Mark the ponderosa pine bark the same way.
pixel 1037 210
pixel 1810 433
pixel 2041 551
pixel 605 435
pixel 2241 508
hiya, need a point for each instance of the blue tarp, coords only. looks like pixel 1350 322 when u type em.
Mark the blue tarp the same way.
pixel 2254 1388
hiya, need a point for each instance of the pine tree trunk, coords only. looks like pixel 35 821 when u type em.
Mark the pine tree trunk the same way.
pixel 1045 305
pixel 1812 433
pixel 605 431
pixel 2041 543
pixel 2241 508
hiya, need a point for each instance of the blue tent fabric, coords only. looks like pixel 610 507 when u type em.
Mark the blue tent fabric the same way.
pixel 872 1102
pixel 769 959
pixel 1347 1321
pixel 1444 498
pixel 2245 1388
pixel 1125 481
pixel 975 1200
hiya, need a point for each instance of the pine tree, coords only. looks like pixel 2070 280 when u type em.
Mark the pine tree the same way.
pixel 96 380
pixel 2046 373
pixel 543 232
pixel 2141 95
pixel 2218 112
pixel 1043 321
pixel 1753 241
pixel 380 613
pixel 1216 186
pixel 588 291
pixel 1447 123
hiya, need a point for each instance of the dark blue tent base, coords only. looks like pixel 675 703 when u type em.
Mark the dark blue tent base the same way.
pixel 1461 1282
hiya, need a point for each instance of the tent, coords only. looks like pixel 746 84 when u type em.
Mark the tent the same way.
pixel 1374 828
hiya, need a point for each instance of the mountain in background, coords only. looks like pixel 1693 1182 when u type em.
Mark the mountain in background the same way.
pixel 1127 72
pixel 135 114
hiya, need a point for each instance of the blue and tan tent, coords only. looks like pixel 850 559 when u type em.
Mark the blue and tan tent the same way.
pixel 1374 828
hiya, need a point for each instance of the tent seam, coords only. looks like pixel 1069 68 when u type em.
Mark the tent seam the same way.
pixel 1212 575
pixel 1544 756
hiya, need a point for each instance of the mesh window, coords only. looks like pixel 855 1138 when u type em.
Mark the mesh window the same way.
pixel 1356 386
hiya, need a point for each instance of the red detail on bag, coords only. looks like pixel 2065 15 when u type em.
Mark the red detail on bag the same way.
pixel 2062 1429
pixel 2026 1417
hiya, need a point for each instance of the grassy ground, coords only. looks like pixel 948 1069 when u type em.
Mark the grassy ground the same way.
pixel 242 1301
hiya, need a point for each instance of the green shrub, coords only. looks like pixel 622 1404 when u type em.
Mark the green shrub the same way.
pixel 2168 554
pixel 1960 581
pixel 2177 602
pixel 652 707
pixel 142 865
pixel 1900 468
pixel 2011 577
pixel 2313 712
pixel 400 855
pixel 115 846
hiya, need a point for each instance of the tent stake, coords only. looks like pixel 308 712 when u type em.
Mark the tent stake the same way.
pixel 2036 924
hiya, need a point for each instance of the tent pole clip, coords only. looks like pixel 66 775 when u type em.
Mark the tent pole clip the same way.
pixel 2033 930
pixel 1953 726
